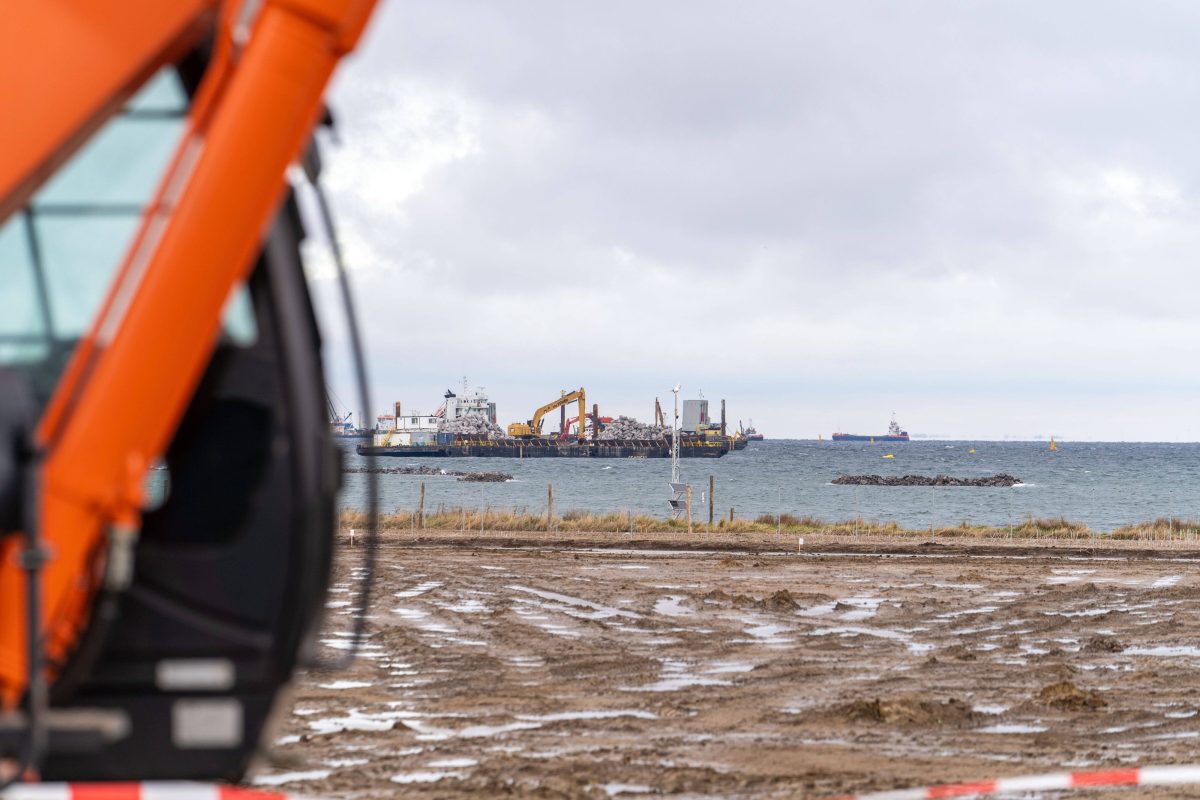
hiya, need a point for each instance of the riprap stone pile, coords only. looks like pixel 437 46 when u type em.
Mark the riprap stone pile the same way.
pixel 629 428
pixel 471 425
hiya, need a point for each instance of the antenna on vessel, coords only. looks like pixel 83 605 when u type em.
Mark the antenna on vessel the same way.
pixel 678 489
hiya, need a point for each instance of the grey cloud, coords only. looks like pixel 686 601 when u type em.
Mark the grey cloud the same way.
pixel 926 193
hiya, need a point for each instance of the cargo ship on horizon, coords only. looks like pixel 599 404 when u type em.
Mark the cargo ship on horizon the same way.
pixel 894 434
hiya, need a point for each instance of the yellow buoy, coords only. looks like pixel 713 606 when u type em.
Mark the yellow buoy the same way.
pixel 1053 446
pixel 972 450
pixel 889 455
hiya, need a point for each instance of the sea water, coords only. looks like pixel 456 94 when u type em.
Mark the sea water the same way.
pixel 1104 485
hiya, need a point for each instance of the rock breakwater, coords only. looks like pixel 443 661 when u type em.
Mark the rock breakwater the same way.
pixel 1002 480
pixel 471 477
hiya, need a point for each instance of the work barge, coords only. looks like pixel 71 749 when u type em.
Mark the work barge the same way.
pixel 690 446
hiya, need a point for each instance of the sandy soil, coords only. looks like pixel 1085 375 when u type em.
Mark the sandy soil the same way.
pixel 513 665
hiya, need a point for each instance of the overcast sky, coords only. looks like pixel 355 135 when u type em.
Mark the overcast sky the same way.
pixel 979 215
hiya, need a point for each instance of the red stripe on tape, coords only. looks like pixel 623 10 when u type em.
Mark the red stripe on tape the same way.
pixel 960 789
pixel 106 791
pixel 1116 777
pixel 236 793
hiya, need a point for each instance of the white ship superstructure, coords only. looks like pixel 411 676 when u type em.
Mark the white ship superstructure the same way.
pixel 476 402
pixel 412 428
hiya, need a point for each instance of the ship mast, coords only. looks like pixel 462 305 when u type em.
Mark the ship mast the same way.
pixel 678 489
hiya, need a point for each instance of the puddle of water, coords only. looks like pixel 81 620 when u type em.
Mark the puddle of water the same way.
pixel 346 762
pixel 770 633
pixel 671 606
pixel 467 607
pixel 1168 581
pixel 431 733
pixel 719 667
pixel 986 709
pixel 675 676
pixel 1180 714
pixel 819 610
pixel 633 566
pixel 346 685
pixel 614 789
pixel 364 650
pixel 863 607
pixel 419 589
pixel 423 776
pixel 285 740
pixel 1013 728
pixel 1180 735
pixel 600 612
pixel 561 630
pixel 281 778
pixel 1167 652
pixel 453 763
pixel 410 613
pixel 353 721
pixel 526 662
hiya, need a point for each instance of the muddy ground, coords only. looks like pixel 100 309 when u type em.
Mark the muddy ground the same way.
pixel 535 669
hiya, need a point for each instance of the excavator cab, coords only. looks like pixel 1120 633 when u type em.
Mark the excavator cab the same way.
pixel 151 632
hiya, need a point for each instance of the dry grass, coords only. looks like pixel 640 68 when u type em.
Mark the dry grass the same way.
pixel 1161 529
pixel 513 520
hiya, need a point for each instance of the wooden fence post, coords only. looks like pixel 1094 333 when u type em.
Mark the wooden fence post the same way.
pixel 689 507
pixel 421 508
pixel 711 485
pixel 550 505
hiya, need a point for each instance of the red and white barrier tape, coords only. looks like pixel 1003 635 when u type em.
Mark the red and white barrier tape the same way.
pixel 165 790
pixel 1055 781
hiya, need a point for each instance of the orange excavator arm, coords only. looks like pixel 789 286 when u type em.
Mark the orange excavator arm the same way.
pixel 130 380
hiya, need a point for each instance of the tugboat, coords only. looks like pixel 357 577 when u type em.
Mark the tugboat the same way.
pixel 894 434
pixel 752 435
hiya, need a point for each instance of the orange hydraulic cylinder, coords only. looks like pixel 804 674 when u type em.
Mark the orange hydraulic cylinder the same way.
pixel 145 370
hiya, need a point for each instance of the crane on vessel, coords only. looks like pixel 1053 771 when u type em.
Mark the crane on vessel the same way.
pixel 532 428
